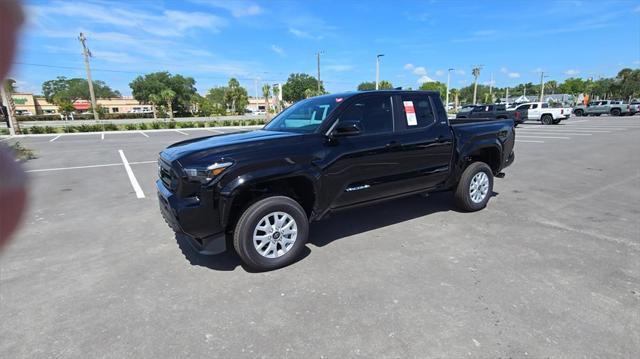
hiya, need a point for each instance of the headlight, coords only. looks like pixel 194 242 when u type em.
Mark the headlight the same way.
pixel 206 174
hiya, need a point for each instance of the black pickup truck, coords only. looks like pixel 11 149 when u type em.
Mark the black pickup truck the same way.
pixel 260 189
pixel 496 112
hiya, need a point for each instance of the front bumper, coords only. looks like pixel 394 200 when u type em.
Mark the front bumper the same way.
pixel 195 217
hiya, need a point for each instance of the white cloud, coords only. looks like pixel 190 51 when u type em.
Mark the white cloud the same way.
pixel 571 72
pixel 514 75
pixel 303 34
pixel 424 79
pixel 238 8
pixel 278 50
pixel 636 62
pixel 420 71
pixel 339 68
pixel 134 18
pixel 460 72
pixel 408 67
pixel 504 70
pixel 440 73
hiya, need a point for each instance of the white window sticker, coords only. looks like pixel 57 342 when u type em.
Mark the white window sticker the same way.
pixel 410 111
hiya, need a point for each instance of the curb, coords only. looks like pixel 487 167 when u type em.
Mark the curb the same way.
pixel 132 131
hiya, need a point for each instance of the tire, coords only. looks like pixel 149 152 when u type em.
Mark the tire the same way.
pixel 546 119
pixel 615 112
pixel 578 113
pixel 463 192
pixel 265 213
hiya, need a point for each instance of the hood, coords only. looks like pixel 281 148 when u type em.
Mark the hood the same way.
pixel 224 143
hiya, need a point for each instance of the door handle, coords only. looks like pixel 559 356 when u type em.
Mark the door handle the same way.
pixel 393 144
pixel 440 139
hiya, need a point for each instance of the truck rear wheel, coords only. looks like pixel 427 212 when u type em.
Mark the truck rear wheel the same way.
pixel 615 112
pixel 547 119
pixel 271 233
pixel 579 113
pixel 474 188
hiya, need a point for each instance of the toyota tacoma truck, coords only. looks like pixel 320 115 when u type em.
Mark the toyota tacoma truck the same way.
pixel 257 191
pixel 540 111
pixel 606 107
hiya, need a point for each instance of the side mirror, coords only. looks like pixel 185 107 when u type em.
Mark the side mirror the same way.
pixel 346 128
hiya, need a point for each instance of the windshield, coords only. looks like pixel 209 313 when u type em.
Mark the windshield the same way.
pixel 306 115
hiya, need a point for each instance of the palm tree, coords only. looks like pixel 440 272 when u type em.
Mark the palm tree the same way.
pixel 265 93
pixel 154 100
pixel 455 93
pixel 9 87
pixel 167 96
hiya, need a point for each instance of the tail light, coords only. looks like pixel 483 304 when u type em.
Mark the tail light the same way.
pixel 517 115
pixel 628 107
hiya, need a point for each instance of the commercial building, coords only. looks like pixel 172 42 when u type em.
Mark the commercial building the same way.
pixel 30 104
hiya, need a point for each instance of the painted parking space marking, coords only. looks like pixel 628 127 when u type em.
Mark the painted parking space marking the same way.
pixel 184 133
pixel 535 132
pixel 214 131
pixel 555 137
pixel 55 138
pixel 561 130
pixel 144 134
pixel 529 141
pixel 132 177
pixel 102 136
pixel 88 166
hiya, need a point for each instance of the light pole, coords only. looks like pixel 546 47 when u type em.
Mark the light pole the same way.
pixel 318 57
pixel 378 69
pixel 542 76
pixel 446 104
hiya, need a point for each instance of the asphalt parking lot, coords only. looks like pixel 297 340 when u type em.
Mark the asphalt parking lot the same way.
pixel 550 269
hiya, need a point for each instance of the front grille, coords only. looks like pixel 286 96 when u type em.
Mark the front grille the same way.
pixel 167 175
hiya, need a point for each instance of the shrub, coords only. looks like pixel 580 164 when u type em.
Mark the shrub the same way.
pixel 49 129
pixel 110 127
pixel 143 126
pixel 187 124
pixel 202 124
pixel 171 124
pixel 69 129
pixel 156 125
pixel 4 131
pixel 131 126
pixel 36 130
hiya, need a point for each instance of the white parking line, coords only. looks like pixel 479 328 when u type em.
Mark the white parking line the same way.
pixel 90 166
pixel 55 138
pixel 132 177
pixel 144 134
pixel 529 141
pixel 102 136
pixel 556 137
pixel 536 132
pixel 184 133
pixel 212 130
pixel 560 130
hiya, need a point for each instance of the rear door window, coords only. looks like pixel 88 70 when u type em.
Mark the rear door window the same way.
pixel 417 111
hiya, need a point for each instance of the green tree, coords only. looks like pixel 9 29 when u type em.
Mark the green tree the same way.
pixel 367 86
pixel 574 86
pixel 297 85
pixel 154 83
pixel 154 100
pixel 168 96
pixel 236 97
pixel 435 86
pixel 63 89
pixel 384 85
pixel 629 82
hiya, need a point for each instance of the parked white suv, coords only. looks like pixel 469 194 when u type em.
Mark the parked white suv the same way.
pixel 540 111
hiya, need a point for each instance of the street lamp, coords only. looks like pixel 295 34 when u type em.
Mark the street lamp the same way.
pixel 378 69
pixel 448 80
pixel 318 58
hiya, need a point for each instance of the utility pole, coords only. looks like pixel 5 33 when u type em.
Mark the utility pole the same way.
pixel 476 73
pixel 87 55
pixel 318 58
pixel 448 80
pixel 542 76
pixel 378 70
pixel 507 96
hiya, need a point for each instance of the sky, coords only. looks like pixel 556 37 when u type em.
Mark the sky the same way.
pixel 264 41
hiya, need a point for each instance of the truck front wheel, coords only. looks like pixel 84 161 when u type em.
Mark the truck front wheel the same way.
pixel 271 233
pixel 474 188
